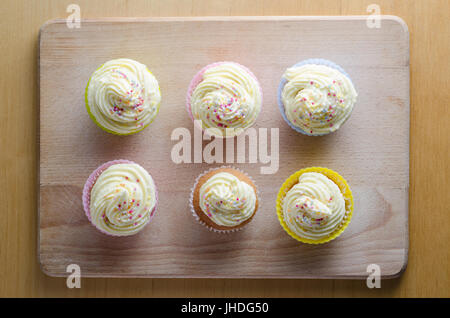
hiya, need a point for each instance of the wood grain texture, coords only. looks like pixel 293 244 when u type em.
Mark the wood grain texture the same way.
pixel 371 150
pixel 428 271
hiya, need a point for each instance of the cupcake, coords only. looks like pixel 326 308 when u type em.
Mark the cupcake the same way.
pixel 316 97
pixel 122 97
pixel 224 199
pixel 224 98
pixel 315 205
pixel 120 198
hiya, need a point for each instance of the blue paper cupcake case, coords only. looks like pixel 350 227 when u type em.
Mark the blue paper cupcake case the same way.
pixel 284 81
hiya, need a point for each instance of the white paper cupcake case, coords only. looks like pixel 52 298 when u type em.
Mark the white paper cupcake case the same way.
pixel 284 81
pixel 191 200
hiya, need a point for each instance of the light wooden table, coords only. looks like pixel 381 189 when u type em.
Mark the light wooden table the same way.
pixel 428 272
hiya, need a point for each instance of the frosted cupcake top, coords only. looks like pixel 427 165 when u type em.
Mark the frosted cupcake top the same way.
pixel 314 207
pixel 123 96
pixel 227 100
pixel 317 99
pixel 122 199
pixel 226 200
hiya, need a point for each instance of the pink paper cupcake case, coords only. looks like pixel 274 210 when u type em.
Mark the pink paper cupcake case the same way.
pixel 199 77
pixel 86 196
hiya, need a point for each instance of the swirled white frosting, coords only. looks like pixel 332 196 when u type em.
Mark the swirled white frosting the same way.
pixel 314 207
pixel 226 200
pixel 227 100
pixel 122 199
pixel 123 96
pixel 318 99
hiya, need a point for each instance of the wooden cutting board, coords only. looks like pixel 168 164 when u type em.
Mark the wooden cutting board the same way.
pixel 371 150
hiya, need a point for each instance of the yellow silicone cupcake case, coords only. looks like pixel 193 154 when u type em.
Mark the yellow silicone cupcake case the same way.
pixel 340 182
pixel 98 124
